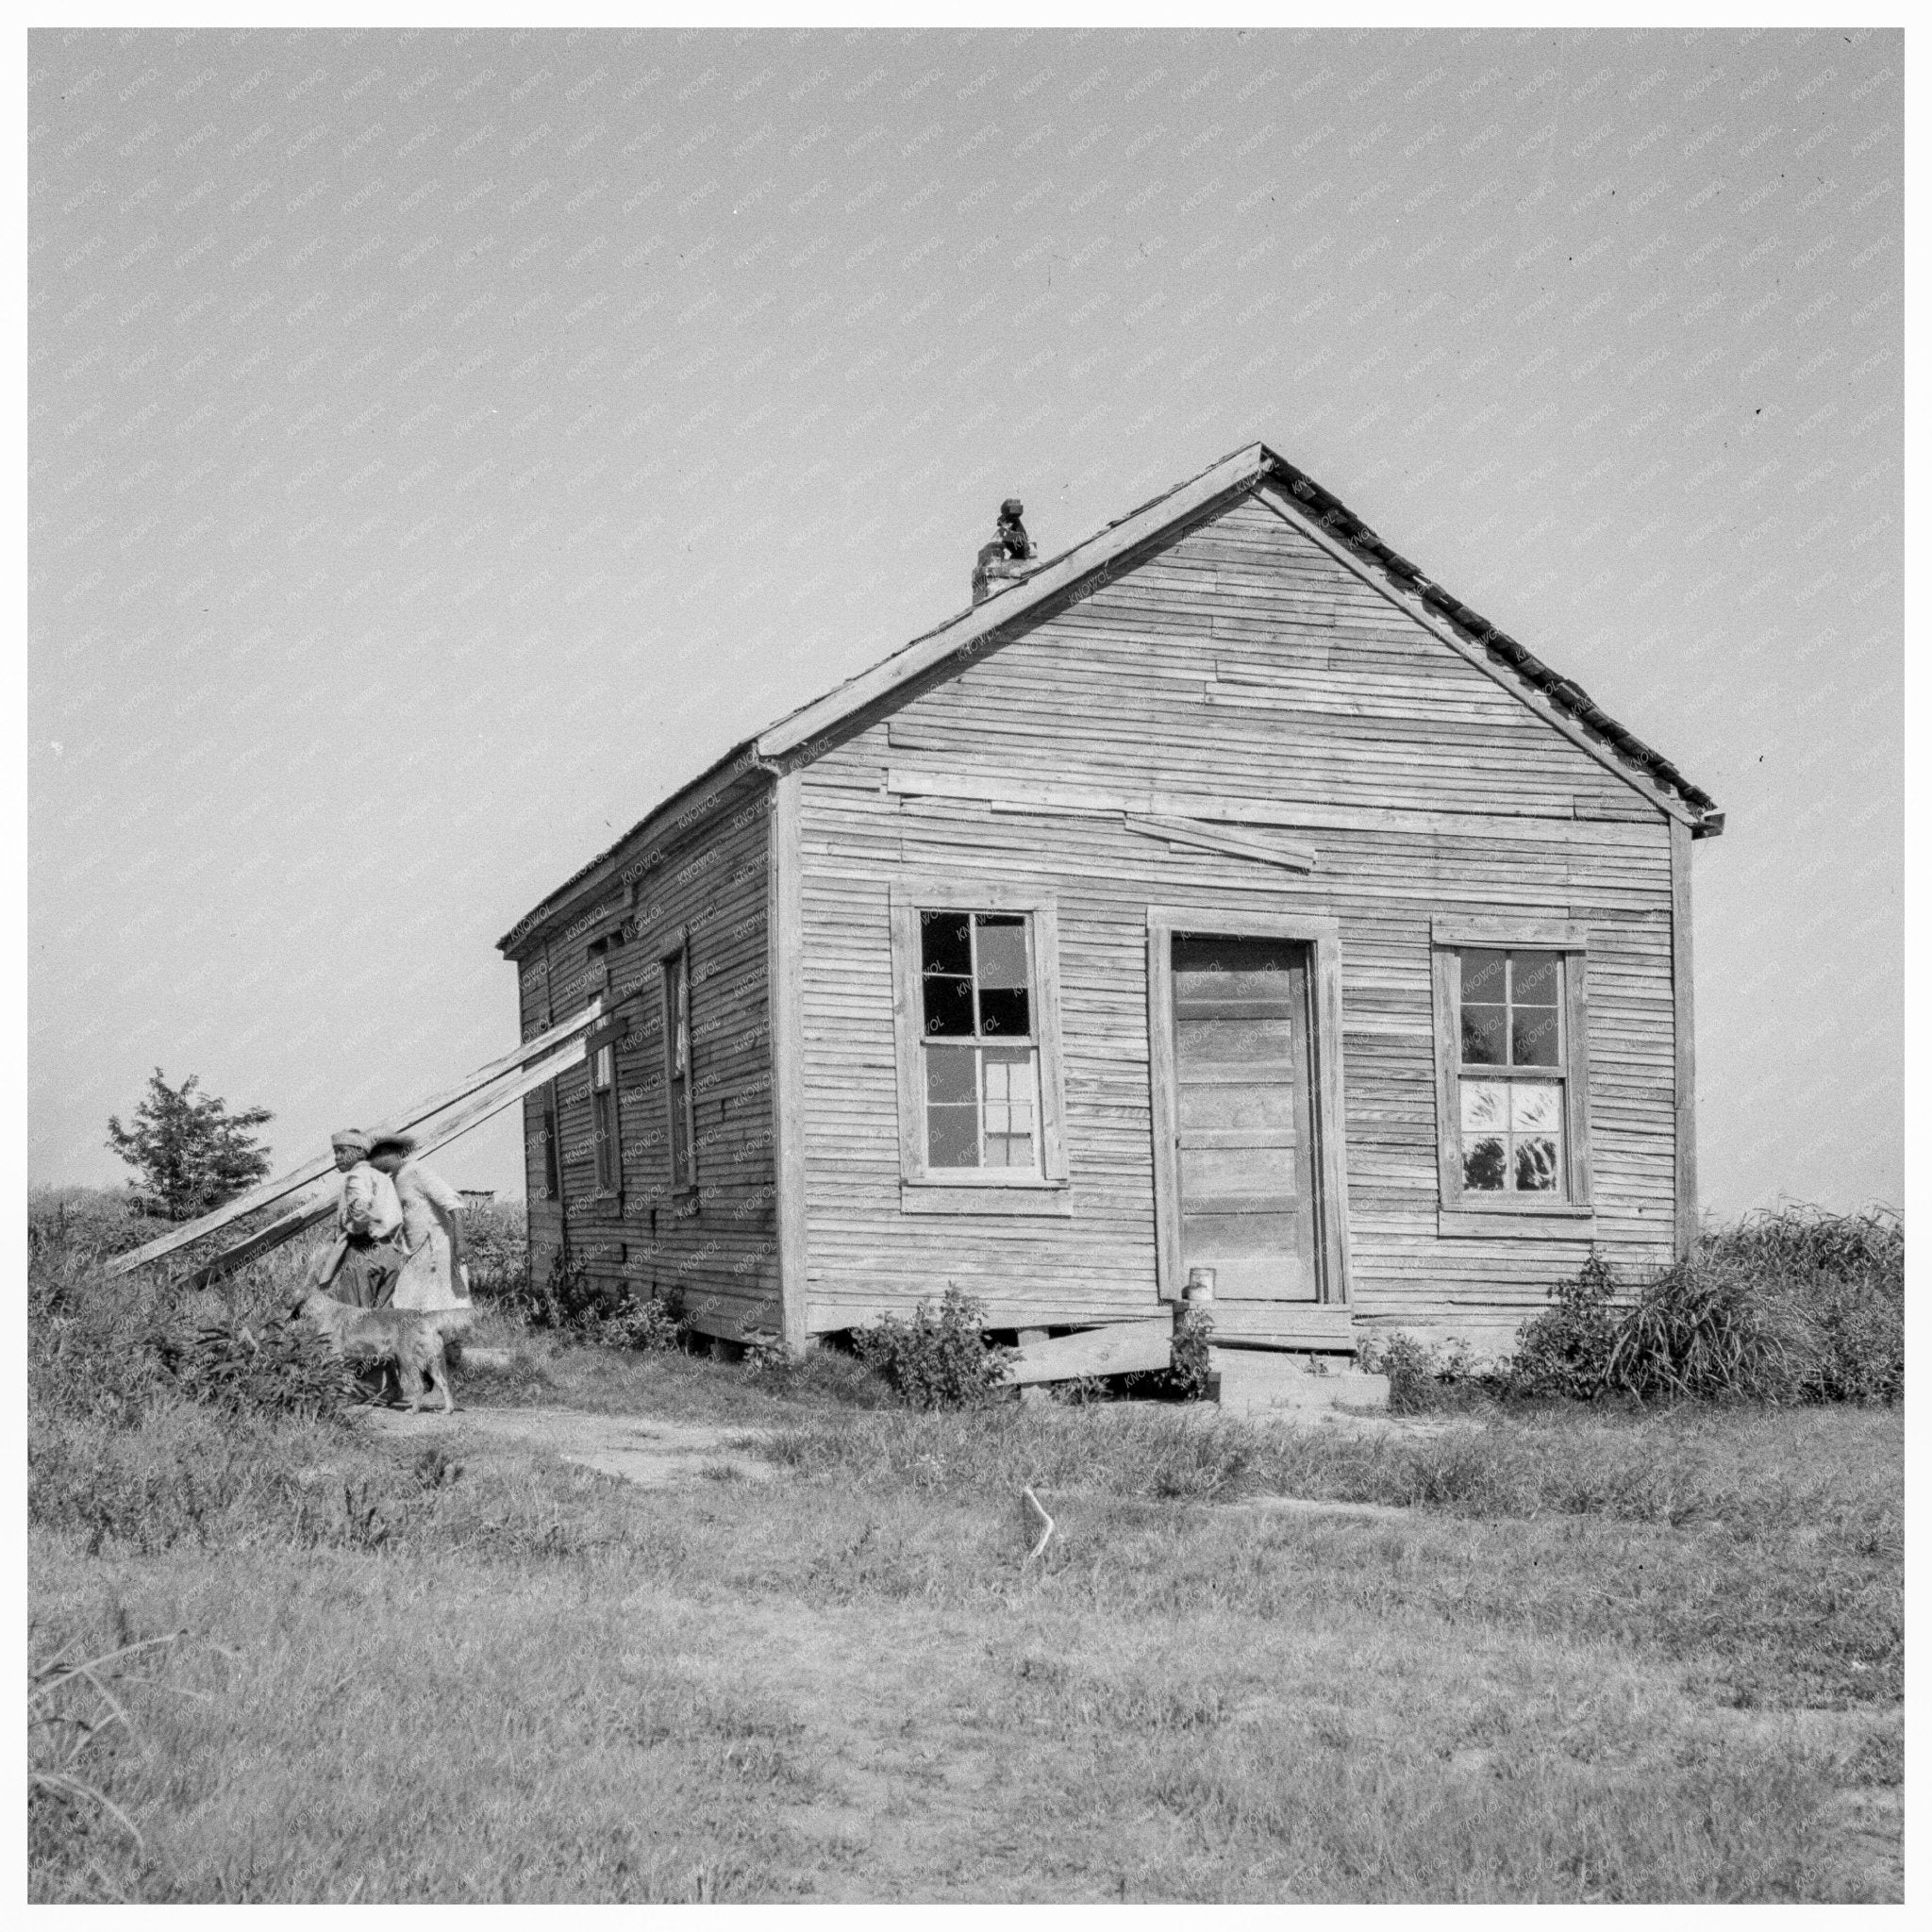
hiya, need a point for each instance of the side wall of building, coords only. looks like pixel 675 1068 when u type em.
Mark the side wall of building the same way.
pixel 713 1251
pixel 1241 660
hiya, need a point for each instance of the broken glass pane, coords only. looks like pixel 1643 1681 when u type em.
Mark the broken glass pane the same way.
pixel 1483 1036
pixel 1002 951
pixel 1003 1011
pixel 1536 1167
pixel 1482 1164
pixel 945 944
pixel 948 1007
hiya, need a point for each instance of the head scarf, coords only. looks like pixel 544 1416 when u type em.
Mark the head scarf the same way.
pixel 351 1136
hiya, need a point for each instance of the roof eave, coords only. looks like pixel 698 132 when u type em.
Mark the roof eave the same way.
pixel 741 756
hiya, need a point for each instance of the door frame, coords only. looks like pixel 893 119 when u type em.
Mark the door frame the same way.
pixel 1321 934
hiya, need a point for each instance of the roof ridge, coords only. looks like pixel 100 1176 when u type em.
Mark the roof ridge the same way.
pixel 1564 692
pixel 1335 517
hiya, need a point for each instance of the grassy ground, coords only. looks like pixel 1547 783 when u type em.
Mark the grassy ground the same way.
pixel 1594 1655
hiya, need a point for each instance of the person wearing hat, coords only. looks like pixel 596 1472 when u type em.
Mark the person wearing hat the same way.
pixel 362 1264
pixel 433 1275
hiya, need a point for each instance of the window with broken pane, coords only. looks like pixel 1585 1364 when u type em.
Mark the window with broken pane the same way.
pixel 980 1058
pixel 1511 1113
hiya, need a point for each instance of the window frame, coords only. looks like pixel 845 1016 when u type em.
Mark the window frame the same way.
pixel 552 1150
pixel 606 1135
pixel 674 964
pixel 1505 1213
pixel 925 1190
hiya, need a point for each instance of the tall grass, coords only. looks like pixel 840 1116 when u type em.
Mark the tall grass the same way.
pixel 1792 1306
pixel 466 1670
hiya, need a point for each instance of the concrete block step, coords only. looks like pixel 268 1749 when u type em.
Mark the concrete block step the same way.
pixel 1261 1382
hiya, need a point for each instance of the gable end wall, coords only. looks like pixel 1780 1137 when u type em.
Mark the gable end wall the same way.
pixel 1238 660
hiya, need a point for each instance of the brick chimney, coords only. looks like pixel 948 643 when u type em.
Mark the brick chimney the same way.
pixel 1009 558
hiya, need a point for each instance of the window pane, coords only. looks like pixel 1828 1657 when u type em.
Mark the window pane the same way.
pixel 1538 1109
pixel 1532 1037
pixel 1483 977
pixel 1483 1036
pixel 1536 1166
pixel 944 944
pixel 948 1008
pixel 1007 1074
pixel 1003 1011
pixel 602 1072
pixel 1002 951
pixel 951 1136
pixel 680 1136
pixel 1482 1164
pixel 1534 980
pixel 1485 1108
pixel 949 1075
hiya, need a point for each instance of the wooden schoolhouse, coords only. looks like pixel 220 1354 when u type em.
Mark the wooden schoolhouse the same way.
pixel 1219 899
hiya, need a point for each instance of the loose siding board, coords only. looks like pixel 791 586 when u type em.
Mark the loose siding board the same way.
pixel 1429 785
pixel 715 1251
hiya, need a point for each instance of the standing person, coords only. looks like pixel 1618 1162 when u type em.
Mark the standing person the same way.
pixel 361 1267
pixel 433 1276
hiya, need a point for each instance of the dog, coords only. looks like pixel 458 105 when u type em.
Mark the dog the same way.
pixel 412 1338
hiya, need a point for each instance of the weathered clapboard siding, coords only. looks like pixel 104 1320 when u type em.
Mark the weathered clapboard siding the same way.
pixel 715 1251
pixel 1240 660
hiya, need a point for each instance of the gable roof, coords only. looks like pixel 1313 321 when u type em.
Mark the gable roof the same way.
pixel 1558 700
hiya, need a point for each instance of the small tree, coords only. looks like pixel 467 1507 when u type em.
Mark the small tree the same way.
pixel 191 1152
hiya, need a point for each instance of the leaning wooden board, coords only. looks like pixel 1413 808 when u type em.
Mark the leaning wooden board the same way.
pixel 1121 1348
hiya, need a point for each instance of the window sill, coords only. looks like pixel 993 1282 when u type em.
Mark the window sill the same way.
pixel 1049 1199
pixel 1519 1222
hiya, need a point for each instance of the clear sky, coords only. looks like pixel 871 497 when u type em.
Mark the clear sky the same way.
pixel 443 445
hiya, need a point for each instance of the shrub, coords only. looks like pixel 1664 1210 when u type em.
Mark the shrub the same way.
pixel 642 1322
pixel 1845 1273
pixel 1422 1377
pixel 1796 1305
pixel 1410 1370
pixel 277 1368
pixel 496 1250
pixel 936 1361
pixel 595 1308
pixel 1711 1332
pixel 1188 1372
pixel 1566 1349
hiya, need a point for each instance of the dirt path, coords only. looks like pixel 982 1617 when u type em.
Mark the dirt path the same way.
pixel 654 1453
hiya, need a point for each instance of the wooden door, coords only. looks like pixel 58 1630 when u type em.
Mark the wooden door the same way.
pixel 1243 1116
